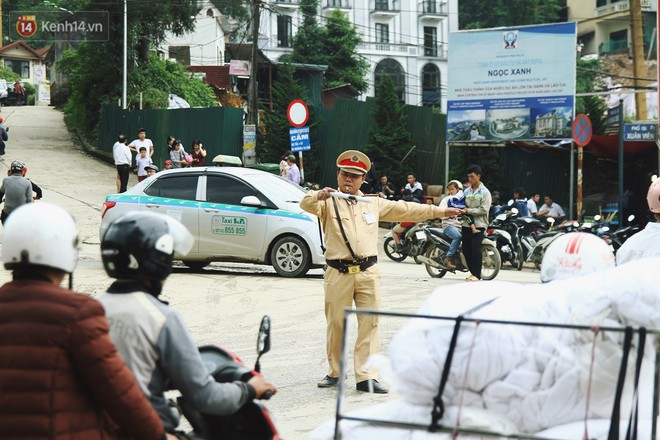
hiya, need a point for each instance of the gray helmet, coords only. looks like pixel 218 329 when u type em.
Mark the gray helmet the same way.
pixel 17 165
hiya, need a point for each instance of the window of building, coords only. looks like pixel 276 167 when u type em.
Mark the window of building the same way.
pixel 209 12
pixel 430 41
pixel 430 7
pixel 382 5
pixel 19 67
pixel 284 31
pixel 619 40
pixel 382 33
pixel 392 69
pixel 600 3
pixel 181 54
pixel 430 85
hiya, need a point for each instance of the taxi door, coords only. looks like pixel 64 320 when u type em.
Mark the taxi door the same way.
pixel 226 228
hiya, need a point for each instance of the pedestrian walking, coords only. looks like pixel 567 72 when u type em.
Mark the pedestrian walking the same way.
pixel 351 235
pixel 15 189
pixel 123 158
pixel 20 93
pixel 477 204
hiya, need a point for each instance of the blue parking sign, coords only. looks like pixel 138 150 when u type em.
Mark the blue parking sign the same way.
pixel 299 138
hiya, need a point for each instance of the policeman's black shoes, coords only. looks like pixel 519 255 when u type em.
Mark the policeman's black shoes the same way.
pixel 328 382
pixel 376 387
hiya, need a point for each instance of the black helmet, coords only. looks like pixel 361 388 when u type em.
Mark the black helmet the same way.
pixel 142 245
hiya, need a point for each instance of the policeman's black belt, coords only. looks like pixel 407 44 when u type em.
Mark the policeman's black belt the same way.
pixel 344 265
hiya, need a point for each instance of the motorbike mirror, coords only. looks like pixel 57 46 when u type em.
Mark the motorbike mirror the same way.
pixel 587 225
pixel 510 202
pixel 631 217
pixel 605 228
pixel 576 225
pixel 597 217
pixel 501 217
pixel 514 210
pixel 551 220
pixel 263 341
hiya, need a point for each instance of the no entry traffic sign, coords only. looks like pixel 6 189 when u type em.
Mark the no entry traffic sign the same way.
pixel 582 130
pixel 297 113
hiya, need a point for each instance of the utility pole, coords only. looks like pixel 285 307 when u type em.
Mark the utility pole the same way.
pixel 2 40
pixel 638 56
pixel 253 103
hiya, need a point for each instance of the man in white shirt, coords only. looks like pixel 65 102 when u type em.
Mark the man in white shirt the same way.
pixel 142 141
pixel 532 206
pixel 646 243
pixel 413 191
pixel 123 160
pixel 551 209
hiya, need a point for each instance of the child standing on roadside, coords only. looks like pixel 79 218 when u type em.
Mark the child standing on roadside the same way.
pixel 142 161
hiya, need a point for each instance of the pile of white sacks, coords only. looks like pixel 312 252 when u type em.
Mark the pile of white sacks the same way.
pixel 522 379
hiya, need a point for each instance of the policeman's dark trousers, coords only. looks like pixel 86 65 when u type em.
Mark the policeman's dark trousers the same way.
pixel 472 250
pixel 341 290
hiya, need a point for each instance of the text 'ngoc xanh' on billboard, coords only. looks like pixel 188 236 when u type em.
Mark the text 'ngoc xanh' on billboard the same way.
pixel 513 83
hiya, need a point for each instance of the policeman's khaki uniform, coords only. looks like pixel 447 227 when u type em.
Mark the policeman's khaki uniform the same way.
pixel 360 222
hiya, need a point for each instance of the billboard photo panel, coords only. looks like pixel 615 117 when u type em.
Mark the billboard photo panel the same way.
pixel 511 83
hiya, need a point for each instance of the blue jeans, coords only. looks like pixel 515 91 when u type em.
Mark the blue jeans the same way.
pixel 455 235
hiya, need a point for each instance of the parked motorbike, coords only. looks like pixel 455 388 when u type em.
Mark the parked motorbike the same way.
pixel 434 256
pixel 528 230
pixel 252 421
pixel 544 240
pixel 412 243
pixel 503 230
pixel 622 234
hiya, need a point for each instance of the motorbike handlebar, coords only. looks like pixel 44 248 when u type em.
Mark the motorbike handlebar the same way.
pixel 266 395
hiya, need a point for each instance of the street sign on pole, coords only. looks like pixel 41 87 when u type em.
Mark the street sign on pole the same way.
pixel 299 138
pixel 297 113
pixel 640 131
pixel 581 130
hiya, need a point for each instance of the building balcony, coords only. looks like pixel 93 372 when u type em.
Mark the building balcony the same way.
pixel 613 47
pixel 623 6
pixel 388 48
pixel 286 5
pixel 384 8
pixel 432 9
pixel 434 51
pixel 331 5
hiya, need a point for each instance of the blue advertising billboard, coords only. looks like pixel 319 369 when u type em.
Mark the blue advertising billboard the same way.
pixel 514 83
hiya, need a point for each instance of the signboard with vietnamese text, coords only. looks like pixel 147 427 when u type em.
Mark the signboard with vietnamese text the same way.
pixel 513 83
pixel 239 68
pixel 640 132
pixel 299 138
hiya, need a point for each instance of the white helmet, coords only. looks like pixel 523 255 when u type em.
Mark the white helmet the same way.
pixel 40 234
pixel 575 254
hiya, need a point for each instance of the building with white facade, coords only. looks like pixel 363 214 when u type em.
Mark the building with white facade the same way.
pixel 405 39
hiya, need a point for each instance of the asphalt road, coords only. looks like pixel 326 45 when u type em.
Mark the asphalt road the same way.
pixel 224 303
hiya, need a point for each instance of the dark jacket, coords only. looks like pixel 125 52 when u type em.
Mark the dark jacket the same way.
pixel 60 375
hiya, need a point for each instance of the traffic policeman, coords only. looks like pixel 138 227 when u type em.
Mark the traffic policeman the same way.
pixel 351 235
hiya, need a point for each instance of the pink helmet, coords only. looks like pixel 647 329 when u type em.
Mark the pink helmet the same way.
pixel 653 197
pixel 574 255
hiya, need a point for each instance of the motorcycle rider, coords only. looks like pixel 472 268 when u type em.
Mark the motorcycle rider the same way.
pixel 646 243
pixel 452 225
pixel 575 254
pixel 15 189
pixel 60 375
pixel 137 249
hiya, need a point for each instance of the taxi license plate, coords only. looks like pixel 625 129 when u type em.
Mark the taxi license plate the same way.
pixel 421 235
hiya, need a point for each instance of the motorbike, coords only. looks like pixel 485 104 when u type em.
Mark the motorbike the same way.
pixel 503 230
pixel 252 421
pixel 412 242
pixel 434 256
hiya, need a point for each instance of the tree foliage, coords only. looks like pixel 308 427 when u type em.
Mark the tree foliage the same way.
pixel 309 39
pixel 587 80
pixel 479 14
pixel 389 138
pixel 345 65
pixel 276 139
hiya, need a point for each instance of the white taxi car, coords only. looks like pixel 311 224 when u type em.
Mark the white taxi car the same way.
pixel 235 214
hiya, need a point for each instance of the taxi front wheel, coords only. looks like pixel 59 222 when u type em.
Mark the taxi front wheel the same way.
pixel 290 257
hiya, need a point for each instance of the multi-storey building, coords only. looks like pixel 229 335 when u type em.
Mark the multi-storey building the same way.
pixel 403 39
pixel 604 25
